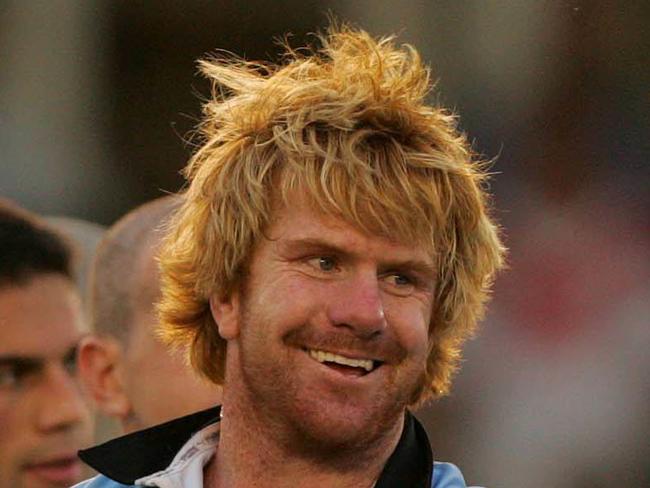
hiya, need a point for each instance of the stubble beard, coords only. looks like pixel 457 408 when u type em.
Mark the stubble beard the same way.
pixel 10 479
pixel 297 419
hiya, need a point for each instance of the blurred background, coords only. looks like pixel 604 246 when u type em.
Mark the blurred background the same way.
pixel 97 99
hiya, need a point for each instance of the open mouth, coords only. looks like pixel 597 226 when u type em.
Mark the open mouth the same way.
pixel 344 364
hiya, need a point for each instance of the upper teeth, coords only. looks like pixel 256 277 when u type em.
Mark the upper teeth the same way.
pixel 323 356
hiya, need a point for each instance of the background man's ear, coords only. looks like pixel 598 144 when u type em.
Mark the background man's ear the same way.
pixel 100 369
pixel 225 313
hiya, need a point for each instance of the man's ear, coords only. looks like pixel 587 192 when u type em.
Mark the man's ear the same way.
pixel 225 312
pixel 100 368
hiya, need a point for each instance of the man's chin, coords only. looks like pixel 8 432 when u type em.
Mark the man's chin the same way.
pixel 49 467
pixel 338 433
pixel 56 473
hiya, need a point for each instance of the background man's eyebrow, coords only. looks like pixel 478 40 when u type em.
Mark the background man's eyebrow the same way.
pixel 20 361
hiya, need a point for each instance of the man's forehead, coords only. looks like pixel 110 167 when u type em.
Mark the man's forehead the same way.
pixel 392 218
pixel 304 222
pixel 22 338
pixel 28 350
pixel 40 320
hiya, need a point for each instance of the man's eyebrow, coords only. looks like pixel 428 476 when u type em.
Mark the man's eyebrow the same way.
pixel 34 361
pixel 11 360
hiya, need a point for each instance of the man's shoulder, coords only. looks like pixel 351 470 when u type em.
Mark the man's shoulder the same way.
pixel 447 475
pixel 100 481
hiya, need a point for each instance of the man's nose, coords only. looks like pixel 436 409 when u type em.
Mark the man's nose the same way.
pixel 62 404
pixel 358 306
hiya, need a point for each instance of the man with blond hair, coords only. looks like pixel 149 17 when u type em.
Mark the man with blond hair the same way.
pixel 332 254
pixel 131 374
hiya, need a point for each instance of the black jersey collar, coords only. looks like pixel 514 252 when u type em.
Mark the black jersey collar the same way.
pixel 142 453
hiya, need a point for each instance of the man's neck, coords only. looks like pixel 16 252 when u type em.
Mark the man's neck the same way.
pixel 249 454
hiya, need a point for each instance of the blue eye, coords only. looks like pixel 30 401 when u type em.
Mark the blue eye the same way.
pixel 399 284
pixel 323 264
pixel 326 263
pixel 399 279
pixel 402 280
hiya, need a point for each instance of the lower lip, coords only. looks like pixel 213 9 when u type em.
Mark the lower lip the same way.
pixel 61 472
pixel 345 370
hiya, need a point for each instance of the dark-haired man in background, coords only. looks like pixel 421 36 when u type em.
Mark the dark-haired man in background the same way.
pixel 44 416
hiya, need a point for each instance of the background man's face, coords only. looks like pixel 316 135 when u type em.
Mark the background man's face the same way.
pixel 159 385
pixel 44 418
pixel 319 286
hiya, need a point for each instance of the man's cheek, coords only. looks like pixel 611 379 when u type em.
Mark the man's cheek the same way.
pixel 5 419
pixel 411 331
pixel 8 448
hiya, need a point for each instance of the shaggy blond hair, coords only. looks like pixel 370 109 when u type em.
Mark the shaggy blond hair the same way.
pixel 348 125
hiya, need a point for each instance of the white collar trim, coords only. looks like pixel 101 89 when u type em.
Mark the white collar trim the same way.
pixel 186 469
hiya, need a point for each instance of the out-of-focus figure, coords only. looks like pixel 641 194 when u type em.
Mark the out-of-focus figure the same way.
pixel 133 377
pixel 86 237
pixel 44 416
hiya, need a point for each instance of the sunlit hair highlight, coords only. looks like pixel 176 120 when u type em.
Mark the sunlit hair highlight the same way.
pixel 348 125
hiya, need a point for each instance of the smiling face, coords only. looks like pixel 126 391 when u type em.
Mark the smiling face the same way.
pixel 328 335
pixel 44 418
